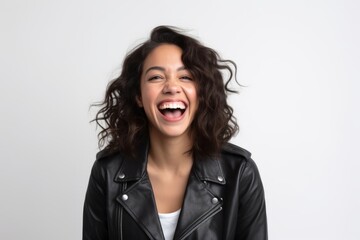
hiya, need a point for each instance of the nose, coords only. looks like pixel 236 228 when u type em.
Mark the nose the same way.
pixel 171 87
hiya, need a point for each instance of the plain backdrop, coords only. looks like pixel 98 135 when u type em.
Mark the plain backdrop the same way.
pixel 299 112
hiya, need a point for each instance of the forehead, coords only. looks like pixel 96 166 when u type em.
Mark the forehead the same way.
pixel 163 55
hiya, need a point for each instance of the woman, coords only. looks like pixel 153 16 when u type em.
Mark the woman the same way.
pixel 168 171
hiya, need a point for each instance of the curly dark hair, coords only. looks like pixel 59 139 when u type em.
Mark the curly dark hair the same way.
pixel 123 123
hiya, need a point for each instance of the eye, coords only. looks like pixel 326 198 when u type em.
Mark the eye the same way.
pixel 186 77
pixel 155 77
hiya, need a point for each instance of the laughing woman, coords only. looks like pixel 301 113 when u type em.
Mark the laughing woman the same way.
pixel 167 170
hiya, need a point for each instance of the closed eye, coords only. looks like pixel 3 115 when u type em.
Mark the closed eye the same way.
pixel 156 77
pixel 186 78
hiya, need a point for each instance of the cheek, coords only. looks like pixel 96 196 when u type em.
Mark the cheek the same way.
pixel 191 92
pixel 148 97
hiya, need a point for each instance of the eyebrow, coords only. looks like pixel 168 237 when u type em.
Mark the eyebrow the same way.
pixel 162 69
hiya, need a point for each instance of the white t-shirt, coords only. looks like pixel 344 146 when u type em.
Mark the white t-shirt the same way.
pixel 168 223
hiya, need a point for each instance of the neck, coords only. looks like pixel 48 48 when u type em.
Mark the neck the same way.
pixel 170 153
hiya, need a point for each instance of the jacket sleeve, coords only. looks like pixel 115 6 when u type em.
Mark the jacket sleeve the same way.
pixel 252 223
pixel 94 216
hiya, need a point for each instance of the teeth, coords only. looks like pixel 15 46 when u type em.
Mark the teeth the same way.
pixel 172 105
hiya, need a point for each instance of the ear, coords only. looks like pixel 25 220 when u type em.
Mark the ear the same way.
pixel 139 101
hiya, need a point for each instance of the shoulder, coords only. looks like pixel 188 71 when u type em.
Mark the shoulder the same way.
pixel 232 149
pixel 234 154
pixel 235 158
pixel 107 163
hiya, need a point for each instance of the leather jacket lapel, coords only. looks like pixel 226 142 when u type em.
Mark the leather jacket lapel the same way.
pixel 139 202
pixel 138 199
pixel 200 203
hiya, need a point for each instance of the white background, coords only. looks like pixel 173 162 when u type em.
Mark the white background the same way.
pixel 299 114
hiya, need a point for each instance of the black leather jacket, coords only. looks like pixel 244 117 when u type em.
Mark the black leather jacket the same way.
pixel 224 199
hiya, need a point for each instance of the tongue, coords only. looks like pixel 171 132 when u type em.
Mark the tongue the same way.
pixel 172 113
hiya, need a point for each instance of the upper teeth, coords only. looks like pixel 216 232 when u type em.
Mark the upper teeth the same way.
pixel 172 105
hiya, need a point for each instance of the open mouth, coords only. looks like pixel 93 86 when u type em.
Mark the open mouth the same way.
pixel 172 110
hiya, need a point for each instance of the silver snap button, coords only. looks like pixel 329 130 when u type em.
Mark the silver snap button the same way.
pixel 125 197
pixel 214 200
pixel 220 178
pixel 121 176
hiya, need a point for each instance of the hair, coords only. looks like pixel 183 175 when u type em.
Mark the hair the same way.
pixel 124 124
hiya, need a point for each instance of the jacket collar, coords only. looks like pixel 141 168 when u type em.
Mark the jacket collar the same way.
pixel 199 202
pixel 132 169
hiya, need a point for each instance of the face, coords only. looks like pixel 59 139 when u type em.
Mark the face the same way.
pixel 168 92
